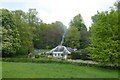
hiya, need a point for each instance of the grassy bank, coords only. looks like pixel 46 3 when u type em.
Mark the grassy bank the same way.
pixel 54 70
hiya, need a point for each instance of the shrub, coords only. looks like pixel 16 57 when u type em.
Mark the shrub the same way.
pixel 36 60
pixel 36 56
pixel 84 54
pixel 81 54
pixel 46 60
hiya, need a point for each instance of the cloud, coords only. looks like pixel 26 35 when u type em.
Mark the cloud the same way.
pixel 61 10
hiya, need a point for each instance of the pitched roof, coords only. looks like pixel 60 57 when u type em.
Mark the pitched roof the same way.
pixel 70 49
pixel 62 49
pixel 59 49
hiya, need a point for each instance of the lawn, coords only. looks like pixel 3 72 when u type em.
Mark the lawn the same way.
pixel 54 70
pixel 0 70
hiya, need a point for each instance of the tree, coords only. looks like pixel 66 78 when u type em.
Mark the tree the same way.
pixel 72 37
pixel 51 34
pixel 78 23
pixel 22 32
pixel 25 31
pixel 104 45
pixel 33 16
pixel 10 38
pixel 35 24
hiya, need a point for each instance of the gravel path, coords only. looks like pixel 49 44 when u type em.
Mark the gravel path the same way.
pixel 83 61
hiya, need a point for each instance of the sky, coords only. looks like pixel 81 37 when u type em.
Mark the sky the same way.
pixel 61 10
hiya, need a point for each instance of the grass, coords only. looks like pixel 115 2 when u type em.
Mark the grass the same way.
pixel 0 70
pixel 54 70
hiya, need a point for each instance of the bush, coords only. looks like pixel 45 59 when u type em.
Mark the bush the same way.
pixel 46 60
pixel 81 54
pixel 75 55
pixel 36 60
pixel 36 56
pixel 84 54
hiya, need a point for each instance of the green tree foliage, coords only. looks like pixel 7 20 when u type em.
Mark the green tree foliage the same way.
pixel 33 16
pixel 51 34
pixel 25 31
pixel 34 25
pixel 72 37
pixel 10 38
pixel 0 33
pixel 79 24
pixel 22 32
pixel 104 45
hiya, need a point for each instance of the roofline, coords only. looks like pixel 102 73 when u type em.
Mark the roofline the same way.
pixel 57 47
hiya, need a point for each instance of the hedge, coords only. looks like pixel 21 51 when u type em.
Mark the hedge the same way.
pixel 46 60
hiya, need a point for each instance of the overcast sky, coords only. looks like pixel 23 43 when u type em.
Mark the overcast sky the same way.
pixel 60 10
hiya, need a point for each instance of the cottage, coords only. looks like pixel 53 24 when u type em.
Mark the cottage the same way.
pixel 61 51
